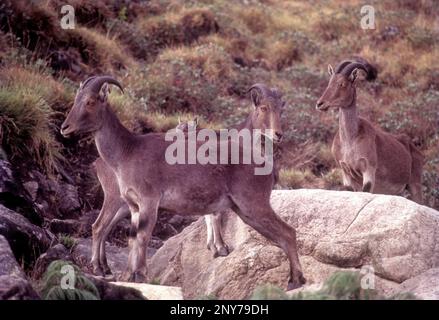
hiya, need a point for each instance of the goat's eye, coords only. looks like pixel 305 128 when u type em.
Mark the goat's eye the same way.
pixel 263 109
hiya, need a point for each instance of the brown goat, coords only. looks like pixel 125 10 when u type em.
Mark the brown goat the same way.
pixel 148 182
pixel 113 210
pixel 371 159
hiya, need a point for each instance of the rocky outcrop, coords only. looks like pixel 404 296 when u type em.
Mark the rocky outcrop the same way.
pixel 425 286
pixel 13 282
pixel 153 292
pixel 391 236
pixel 26 240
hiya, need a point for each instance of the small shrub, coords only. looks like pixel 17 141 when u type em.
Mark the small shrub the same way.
pixel 331 27
pixel 333 179
pixel 68 241
pixel 282 54
pixel 99 50
pixel 175 28
pixel 422 38
pixel 256 19
pixel 83 289
pixel 210 296
pixel 295 179
pixel 269 292
pixel 27 100
pixel 341 285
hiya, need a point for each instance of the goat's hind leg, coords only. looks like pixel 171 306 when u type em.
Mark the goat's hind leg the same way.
pixel 215 241
pixel 143 222
pixel 264 220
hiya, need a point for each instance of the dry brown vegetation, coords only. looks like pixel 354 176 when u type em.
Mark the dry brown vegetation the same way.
pixel 198 58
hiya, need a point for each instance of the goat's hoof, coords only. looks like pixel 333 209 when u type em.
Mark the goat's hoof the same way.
pixel 296 284
pixel 110 277
pixel 223 251
pixel 107 271
pixel 137 277
pixel 97 271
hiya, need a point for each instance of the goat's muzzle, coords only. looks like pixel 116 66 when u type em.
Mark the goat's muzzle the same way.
pixel 65 130
pixel 322 106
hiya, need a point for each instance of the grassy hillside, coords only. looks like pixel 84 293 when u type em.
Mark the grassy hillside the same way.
pixel 199 57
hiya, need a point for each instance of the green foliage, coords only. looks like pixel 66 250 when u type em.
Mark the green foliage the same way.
pixel 210 296
pixel 67 240
pixel 84 289
pixel 269 292
pixel 341 285
pixel 25 126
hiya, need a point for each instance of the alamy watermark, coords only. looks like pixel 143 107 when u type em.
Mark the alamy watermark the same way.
pixel 367 281
pixel 68 279
pixel 68 18
pixel 367 17
pixel 226 146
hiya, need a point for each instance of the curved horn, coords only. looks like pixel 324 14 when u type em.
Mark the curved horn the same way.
pixel 87 81
pixel 351 67
pixel 342 65
pixel 96 84
pixel 264 90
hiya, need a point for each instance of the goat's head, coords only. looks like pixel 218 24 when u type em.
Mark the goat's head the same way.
pixel 268 107
pixel 88 108
pixel 341 87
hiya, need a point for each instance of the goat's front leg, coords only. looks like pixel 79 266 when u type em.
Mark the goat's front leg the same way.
pixel 107 213
pixel 121 213
pixel 143 221
pixel 369 179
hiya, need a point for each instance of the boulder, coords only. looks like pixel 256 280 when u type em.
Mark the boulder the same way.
pixel 13 282
pixel 153 292
pixel 424 286
pixel 26 240
pixel 113 291
pixel 68 226
pixel 55 197
pixel 391 237
pixel 14 196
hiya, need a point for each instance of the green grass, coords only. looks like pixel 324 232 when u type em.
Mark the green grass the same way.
pixel 25 127
pixel 341 285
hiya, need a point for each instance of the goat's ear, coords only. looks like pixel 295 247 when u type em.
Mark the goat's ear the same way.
pixel 179 120
pixel 103 94
pixel 255 97
pixel 354 75
pixel 330 70
pixel 358 75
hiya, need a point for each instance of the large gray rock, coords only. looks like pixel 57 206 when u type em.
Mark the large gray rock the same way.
pixel 14 196
pixel 26 240
pixel 335 230
pixel 13 282
pixel 425 286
